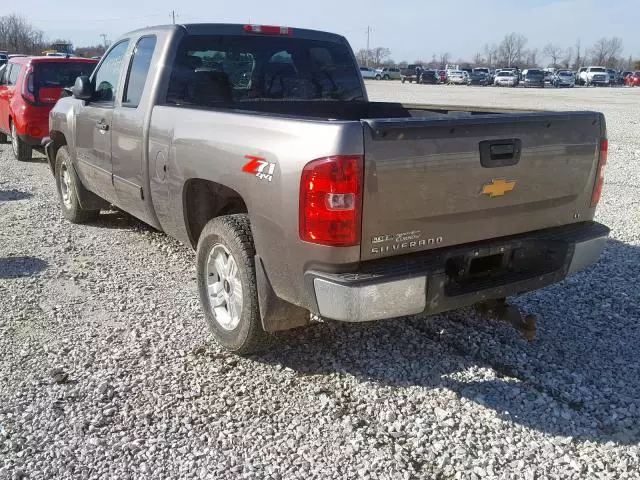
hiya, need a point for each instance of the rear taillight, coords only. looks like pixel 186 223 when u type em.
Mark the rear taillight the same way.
pixel 268 30
pixel 28 87
pixel 331 201
pixel 602 161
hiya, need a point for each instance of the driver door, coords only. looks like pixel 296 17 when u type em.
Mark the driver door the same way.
pixel 94 124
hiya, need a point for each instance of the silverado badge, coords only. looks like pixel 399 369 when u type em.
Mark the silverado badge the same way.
pixel 498 187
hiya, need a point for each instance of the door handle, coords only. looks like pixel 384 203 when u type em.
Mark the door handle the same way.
pixel 100 125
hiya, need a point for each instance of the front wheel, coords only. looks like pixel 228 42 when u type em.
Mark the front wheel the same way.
pixel 378 77
pixel 21 150
pixel 68 190
pixel 227 284
pixel 386 77
pixel 3 137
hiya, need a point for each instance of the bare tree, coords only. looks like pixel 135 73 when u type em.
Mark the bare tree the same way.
pixel 553 51
pixel 478 59
pixel 379 55
pixel 491 53
pixel 19 36
pixel 511 48
pixel 566 58
pixel 530 58
pixel 363 56
pixel 605 51
pixel 444 59
pixel 579 60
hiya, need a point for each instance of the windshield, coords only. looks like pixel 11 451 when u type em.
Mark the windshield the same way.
pixel 534 73
pixel 61 74
pixel 597 69
pixel 212 69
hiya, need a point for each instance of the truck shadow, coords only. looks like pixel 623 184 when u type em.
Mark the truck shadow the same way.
pixel 117 219
pixel 580 378
pixel 18 267
pixel 12 195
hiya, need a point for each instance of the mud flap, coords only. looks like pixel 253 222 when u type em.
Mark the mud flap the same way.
pixel 276 314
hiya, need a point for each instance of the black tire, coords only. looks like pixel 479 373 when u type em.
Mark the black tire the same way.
pixel 70 205
pixel 233 232
pixel 378 77
pixel 386 77
pixel 403 79
pixel 21 150
pixel 3 137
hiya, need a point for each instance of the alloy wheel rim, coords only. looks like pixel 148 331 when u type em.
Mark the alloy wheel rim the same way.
pixel 65 185
pixel 224 287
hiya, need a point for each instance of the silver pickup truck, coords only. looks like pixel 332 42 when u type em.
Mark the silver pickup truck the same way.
pixel 257 146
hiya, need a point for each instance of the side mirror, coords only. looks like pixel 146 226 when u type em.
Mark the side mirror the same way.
pixel 82 89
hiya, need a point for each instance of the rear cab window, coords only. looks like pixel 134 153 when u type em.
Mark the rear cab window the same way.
pixel 211 69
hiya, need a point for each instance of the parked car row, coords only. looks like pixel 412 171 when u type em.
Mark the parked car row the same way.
pixel 511 77
pixel 507 77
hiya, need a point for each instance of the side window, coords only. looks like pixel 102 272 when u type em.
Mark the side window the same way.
pixel 108 74
pixel 3 76
pixel 138 71
pixel 12 78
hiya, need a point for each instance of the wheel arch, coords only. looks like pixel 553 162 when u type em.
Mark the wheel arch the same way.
pixel 59 140
pixel 204 200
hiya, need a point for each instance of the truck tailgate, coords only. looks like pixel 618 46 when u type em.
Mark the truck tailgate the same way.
pixel 431 183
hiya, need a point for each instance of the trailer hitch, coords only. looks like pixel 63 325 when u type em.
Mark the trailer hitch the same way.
pixel 526 326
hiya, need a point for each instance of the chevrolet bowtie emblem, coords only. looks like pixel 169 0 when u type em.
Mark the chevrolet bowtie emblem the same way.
pixel 498 187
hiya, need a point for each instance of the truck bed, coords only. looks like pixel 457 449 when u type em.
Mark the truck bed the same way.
pixel 356 111
pixel 439 176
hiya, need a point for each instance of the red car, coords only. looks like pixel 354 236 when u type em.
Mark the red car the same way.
pixel 29 88
pixel 632 80
pixel 442 74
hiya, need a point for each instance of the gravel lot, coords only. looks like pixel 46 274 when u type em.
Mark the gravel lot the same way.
pixel 107 370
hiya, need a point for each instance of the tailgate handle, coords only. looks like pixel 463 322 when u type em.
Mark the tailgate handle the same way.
pixel 500 153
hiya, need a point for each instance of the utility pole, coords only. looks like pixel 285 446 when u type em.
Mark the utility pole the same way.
pixel 368 41
pixel 173 16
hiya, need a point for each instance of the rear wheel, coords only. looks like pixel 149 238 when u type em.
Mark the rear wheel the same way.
pixel 21 150
pixel 378 77
pixel 227 284
pixel 386 77
pixel 68 190
pixel 403 79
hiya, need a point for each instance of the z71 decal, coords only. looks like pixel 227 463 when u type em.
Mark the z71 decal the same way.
pixel 259 167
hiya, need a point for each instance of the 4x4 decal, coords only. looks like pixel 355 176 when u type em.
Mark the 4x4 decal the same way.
pixel 259 167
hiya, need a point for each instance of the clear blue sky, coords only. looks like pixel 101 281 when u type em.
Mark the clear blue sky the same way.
pixel 412 29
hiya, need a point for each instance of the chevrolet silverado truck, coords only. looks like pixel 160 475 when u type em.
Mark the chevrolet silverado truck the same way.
pixel 257 146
